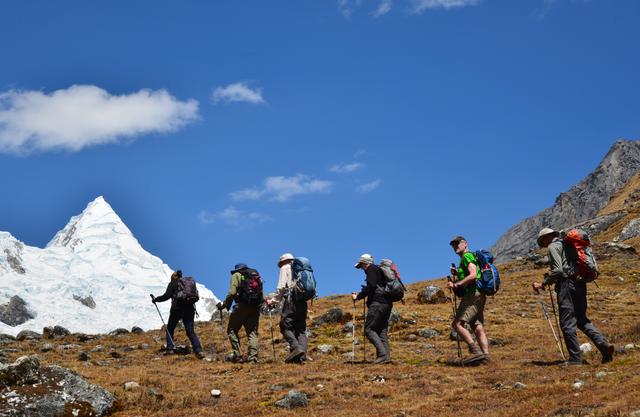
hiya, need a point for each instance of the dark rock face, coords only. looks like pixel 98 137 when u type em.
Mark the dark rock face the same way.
pixel 58 392
pixel 86 301
pixel 55 332
pixel 14 261
pixel 28 335
pixel 432 295
pixel 583 201
pixel 15 312
pixel 332 316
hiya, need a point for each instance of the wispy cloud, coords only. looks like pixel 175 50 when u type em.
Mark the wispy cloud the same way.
pixel 347 7
pixel 368 187
pixel 383 8
pixel 233 217
pixel 85 115
pixel 419 6
pixel 547 5
pixel 282 189
pixel 237 93
pixel 345 168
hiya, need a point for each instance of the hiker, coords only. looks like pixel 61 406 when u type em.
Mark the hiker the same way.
pixel 471 308
pixel 246 291
pixel 293 319
pixel 379 308
pixel 571 294
pixel 180 310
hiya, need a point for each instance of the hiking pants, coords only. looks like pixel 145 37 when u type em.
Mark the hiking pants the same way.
pixel 186 315
pixel 572 308
pixel 293 323
pixel 376 326
pixel 247 316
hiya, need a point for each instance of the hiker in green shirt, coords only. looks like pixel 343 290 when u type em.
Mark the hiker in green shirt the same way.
pixel 471 308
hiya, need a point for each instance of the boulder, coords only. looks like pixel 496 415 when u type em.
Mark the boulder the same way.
pixel 130 386
pixel 60 391
pixel 15 312
pixel 326 349
pixel 47 347
pixel 432 295
pixel 28 335
pixel 6 338
pixel 631 230
pixel 118 332
pixel 85 301
pixel 293 399
pixel 332 316
pixel 395 317
pixel 136 330
pixel 428 333
pixel 55 332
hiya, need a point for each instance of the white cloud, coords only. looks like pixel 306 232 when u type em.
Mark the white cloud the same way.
pixel 383 8
pixel 345 168
pixel 85 115
pixel 281 189
pixel 347 7
pixel 368 187
pixel 238 92
pixel 233 217
pixel 419 6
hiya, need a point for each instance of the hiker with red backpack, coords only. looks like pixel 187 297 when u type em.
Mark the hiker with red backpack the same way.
pixel 571 266
pixel 464 284
pixel 246 291
pixel 293 319
pixel 183 294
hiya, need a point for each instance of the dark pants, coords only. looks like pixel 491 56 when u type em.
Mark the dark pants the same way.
pixel 572 308
pixel 247 316
pixel 376 326
pixel 293 323
pixel 186 315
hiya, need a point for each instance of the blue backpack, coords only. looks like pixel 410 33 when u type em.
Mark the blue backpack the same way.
pixel 303 276
pixel 489 281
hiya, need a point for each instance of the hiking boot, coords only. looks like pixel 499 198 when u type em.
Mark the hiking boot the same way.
pixel 169 352
pixel 607 354
pixel 294 356
pixel 382 360
pixel 200 355
pixel 574 362
pixel 234 358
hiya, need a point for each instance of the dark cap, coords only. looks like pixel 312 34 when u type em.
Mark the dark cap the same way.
pixel 456 240
pixel 238 267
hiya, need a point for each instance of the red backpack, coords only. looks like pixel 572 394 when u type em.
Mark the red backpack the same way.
pixel 586 267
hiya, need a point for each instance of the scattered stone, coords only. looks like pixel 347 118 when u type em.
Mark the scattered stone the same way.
pixel 129 348
pixel 276 388
pixel 6 338
pixel 432 295
pixel 82 338
pixel 68 346
pixel 601 374
pixel 98 348
pixel 131 385
pixel 216 393
pixel 55 332
pixel 83 357
pixel 145 346
pixel 635 413
pixel 378 379
pixel 395 317
pixel 332 316
pixel 319 387
pixel 136 330
pixel 586 348
pixel 630 347
pixel 155 394
pixel 411 337
pixel 409 322
pixel 115 355
pixel 293 399
pixel 60 391
pixel 428 333
pixel 519 385
pixel 47 347
pixel 348 328
pixel 309 334
pixel 348 356
pixel 326 349
pixel 118 332
pixel 429 346
pixel 15 312
pixel 28 335
pixel 85 301
pixel 496 342
pixel 578 384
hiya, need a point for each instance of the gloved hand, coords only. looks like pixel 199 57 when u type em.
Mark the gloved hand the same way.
pixel 153 299
pixel 219 305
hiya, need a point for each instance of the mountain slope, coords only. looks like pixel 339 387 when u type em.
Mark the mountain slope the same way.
pixel 582 202
pixel 92 277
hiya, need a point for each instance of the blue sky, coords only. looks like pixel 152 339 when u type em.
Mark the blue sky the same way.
pixel 234 131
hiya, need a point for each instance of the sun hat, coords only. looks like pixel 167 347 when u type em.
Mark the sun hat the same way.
pixel 238 267
pixel 284 258
pixel 365 258
pixel 544 232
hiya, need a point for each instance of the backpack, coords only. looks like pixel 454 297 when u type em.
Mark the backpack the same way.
pixel 250 288
pixel 393 289
pixel 187 290
pixel 305 281
pixel 488 281
pixel 585 267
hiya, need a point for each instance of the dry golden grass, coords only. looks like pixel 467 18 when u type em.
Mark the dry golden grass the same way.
pixel 418 383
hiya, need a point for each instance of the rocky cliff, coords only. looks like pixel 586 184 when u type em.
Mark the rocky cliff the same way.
pixel 582 202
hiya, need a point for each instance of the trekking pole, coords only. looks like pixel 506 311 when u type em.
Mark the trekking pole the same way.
pixel 557 319
pixel 273 343
pixel 163 323
pixel 546 315
pixel 454 306
pixel 224 334
pixel 364 335
pixel 353 336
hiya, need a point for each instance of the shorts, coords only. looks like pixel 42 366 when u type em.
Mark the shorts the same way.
pixel 471 309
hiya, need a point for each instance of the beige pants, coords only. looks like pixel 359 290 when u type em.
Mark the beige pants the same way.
pixel 471 309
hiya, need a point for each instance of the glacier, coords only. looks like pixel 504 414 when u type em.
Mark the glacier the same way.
pixel 94 257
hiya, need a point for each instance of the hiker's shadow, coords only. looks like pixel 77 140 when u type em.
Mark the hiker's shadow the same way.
pixel 546 363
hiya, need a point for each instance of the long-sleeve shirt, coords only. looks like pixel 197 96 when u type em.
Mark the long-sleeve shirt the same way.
pixel 373 288
pixel 170 293
pixel 285 281
pixel 233 290
pixel 558 262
